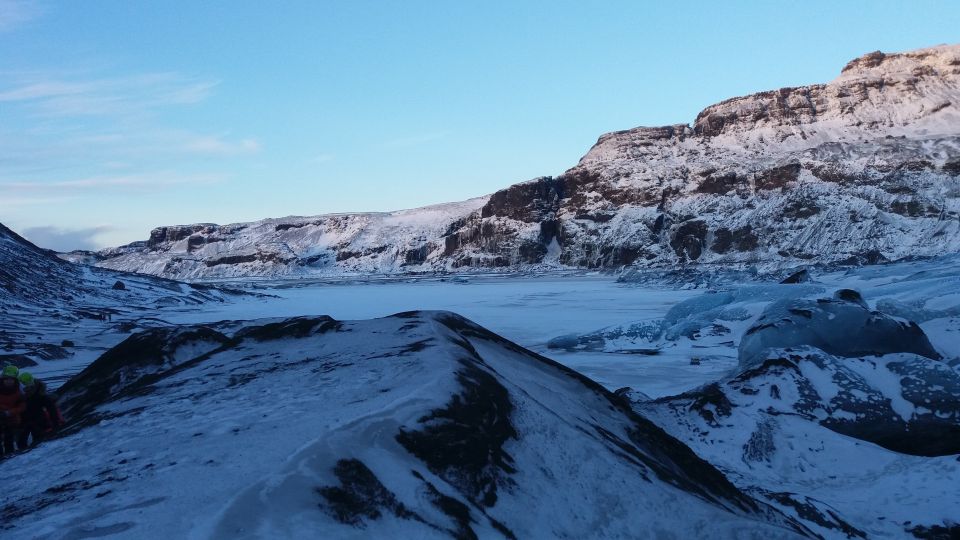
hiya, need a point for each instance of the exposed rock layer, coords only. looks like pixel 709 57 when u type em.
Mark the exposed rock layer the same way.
pixel 863 169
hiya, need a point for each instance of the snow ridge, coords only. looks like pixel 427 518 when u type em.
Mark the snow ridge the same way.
pixel 420 425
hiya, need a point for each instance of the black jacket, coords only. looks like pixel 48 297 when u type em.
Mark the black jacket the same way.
pixel 42 411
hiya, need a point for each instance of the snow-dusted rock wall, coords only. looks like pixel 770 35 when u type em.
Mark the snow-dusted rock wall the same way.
pixel 859 170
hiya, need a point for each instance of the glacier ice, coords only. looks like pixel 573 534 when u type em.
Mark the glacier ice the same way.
pixel 842 326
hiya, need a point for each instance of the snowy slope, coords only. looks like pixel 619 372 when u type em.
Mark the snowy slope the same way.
pixel 861 447
pixel 45 300
pixel 863 169
pixel 331 244
pixel 30 276
pixel 418 425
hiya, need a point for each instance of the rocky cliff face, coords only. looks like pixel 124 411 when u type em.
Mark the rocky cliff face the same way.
pixel 859 170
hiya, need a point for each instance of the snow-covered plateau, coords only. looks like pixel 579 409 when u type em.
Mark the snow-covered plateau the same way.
pixel 863 169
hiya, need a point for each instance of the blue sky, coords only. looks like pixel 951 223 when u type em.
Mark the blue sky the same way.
pixel 119 116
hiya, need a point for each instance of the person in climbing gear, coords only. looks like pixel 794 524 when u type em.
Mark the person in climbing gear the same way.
pixel 41 417
pixel 12 405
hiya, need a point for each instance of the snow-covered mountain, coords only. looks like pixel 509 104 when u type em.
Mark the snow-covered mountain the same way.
pixel 34 277
pixel 45 300
pixel 859 170
pixel 331 244
pixel 419 425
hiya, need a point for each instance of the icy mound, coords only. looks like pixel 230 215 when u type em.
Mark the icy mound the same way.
pixel 420 425
pixel 842 416
pixel 841 326
pixel 716 313
pixel 795 428
pixel 904 402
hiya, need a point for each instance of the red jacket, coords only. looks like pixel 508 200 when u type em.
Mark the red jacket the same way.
pixel 12 404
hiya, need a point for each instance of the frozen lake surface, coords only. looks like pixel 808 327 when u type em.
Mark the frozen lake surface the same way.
pixel 531 310
pixel 527 310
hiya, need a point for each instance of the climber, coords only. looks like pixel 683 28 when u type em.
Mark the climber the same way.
pixel 41 415
pixel 12 405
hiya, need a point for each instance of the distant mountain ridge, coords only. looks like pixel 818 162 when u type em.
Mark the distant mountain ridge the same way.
pixel 859 170
pixel 34 279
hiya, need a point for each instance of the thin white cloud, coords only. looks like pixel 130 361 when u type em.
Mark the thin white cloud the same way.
pixel 139 146
pixel 56 96
pixel 157 180
pixel 14 13
pixel 41 90
pixel 80 133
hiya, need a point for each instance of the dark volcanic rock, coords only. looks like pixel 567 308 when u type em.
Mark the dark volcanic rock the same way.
pixel 946 531
pixel 778 177
pixel 952 167
pixel 161 235
pixel 360 495
pixel 722 240
pixel 689 239
pixel 721 183
pixel 809 510
pixel 418 255
pixel 19 360
pixel 464 443
pixel 531 201
pixel 800 276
